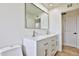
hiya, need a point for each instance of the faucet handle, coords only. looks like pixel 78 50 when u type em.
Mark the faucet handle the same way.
pixel 34 33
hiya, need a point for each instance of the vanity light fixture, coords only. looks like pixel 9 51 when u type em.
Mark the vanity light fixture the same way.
pixel 69 5
pixel 50 4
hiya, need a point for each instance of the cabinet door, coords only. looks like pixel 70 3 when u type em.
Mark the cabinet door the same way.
pixel 42 50
pixel 52 45
pixel 42 47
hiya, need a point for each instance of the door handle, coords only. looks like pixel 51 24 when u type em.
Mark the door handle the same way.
pixel 75 33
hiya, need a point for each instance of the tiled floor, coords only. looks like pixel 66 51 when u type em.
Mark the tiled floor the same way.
pixel 68 51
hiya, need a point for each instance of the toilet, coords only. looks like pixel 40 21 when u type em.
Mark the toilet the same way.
pixel 14 50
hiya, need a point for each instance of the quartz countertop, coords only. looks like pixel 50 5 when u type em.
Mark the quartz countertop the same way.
pixel 41 37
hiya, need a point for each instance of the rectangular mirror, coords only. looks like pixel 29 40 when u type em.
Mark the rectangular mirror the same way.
pixel 35 18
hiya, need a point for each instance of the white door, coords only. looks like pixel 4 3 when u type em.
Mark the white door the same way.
pixel 69 30
pixel 77 31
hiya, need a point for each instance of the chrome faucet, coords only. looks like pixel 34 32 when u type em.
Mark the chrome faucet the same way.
pixel 34 33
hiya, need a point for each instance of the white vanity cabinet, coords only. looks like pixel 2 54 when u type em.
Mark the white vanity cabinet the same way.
pixel 47 47
pixel 44 46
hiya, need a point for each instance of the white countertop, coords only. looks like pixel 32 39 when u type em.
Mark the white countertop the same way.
pixel 41 37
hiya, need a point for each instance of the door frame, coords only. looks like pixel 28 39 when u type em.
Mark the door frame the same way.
pixel 62 25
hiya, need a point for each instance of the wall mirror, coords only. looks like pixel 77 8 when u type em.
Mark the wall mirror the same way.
pixel 35 18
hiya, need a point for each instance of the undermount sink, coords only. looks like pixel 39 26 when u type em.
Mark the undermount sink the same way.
pixel 41 37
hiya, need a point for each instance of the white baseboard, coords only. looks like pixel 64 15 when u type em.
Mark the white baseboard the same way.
pixel 65 44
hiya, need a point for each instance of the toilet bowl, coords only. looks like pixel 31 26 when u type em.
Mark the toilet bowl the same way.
pixel 14 50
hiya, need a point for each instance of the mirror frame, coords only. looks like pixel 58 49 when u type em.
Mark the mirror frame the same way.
pixel 40 26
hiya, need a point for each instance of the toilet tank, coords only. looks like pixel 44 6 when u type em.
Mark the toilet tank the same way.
pixel 14 50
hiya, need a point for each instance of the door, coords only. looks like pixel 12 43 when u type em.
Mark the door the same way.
pixel 69 30
pixel 77 31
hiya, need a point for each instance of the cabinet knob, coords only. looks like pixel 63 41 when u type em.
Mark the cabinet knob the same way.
pixel 46 44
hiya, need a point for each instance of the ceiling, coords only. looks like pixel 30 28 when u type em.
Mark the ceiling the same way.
pixel 35 11
pixel 50 6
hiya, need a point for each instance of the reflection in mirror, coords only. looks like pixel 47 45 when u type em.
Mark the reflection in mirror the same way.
pixel 37 23
pixel 35 17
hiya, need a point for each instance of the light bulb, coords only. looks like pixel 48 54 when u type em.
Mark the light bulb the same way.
pixel 50 5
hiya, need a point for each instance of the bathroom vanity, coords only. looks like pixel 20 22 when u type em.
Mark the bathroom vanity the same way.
pixel 37 41
pixel 45 45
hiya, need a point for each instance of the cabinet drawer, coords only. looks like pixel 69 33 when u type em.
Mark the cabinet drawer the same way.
pixel 53 38
pixel 42 47
pixel 43 42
